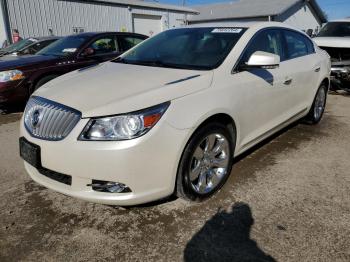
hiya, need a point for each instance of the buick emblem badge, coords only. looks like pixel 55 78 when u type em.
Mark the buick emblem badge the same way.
pixel 35 119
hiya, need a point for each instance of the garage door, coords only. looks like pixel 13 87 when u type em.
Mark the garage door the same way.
pixel 147 24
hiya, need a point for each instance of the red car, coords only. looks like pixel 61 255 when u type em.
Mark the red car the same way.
pixel 20 76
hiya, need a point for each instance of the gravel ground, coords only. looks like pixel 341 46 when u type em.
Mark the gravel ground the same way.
pixel 286 200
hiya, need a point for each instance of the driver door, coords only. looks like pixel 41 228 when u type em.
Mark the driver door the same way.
pixel 100 49
pixel 266 94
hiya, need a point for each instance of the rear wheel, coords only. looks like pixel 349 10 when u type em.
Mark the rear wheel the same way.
pixel 317 110
pixel 206 162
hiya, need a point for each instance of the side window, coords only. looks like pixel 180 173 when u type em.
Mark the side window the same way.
pixel 270 41
pixel 105 45
pixel 297 45
pixel 128 42
pixel 310 46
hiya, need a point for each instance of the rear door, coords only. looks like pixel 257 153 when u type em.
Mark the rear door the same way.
pixel 304 67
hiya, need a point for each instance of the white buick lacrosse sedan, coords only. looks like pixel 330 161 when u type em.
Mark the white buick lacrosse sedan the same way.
pixel 169 116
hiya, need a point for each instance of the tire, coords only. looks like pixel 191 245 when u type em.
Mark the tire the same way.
pixel 213 168
pixel 318 106
pixel 43 81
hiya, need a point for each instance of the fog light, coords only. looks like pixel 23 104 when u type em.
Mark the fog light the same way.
pixel 109 187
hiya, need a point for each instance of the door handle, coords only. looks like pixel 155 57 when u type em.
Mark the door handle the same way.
pixel 288 81
pixel 318 69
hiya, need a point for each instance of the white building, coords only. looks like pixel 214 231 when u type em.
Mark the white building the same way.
pixel 302 14
pixel 65 17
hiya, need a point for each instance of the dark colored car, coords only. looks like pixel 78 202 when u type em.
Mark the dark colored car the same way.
pixel 28 46
pixel 20 76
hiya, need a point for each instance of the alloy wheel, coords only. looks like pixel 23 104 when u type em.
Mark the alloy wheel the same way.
pixel 320 102
pixel 209 163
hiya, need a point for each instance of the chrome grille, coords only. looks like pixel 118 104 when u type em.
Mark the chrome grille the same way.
pixel 49 120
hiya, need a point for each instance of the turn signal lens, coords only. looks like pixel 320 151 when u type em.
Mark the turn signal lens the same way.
pixel 149 121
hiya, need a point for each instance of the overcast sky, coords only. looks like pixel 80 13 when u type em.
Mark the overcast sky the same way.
pixel 335 9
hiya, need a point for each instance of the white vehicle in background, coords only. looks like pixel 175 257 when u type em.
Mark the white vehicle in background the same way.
pixel 169 116
pixel 334 38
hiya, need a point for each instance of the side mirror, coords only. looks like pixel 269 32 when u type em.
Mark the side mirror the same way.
pixel 88 52
pixel 263 60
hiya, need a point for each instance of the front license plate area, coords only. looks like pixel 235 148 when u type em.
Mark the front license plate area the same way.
pixel 30 152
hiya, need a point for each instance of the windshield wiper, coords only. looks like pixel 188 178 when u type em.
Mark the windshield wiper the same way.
pixel 159 63
pixel 119 60
pixel 140 62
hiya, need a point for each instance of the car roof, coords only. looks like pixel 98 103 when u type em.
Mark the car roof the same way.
pixel 224 24
pixel 93 34
pixel 43 38
pixel 341 20
pixel 48 37
pixel 254 25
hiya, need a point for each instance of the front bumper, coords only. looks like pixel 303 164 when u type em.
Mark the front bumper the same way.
pixel 341 72
pixel 147 165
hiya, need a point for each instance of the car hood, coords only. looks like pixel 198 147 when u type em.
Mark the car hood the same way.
pixel 10 61
pixel 114 88
pixel 340 42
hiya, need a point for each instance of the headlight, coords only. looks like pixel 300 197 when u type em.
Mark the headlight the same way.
pixel 123 127
pixel 12 75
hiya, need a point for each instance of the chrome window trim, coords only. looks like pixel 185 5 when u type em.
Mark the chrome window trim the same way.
pixel 234 69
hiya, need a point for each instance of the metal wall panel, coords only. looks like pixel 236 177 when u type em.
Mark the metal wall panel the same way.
pixel 302 17
pixel 35 17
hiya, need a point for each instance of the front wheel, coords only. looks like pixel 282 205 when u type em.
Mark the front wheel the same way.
pixel 318 106
pixel 206 162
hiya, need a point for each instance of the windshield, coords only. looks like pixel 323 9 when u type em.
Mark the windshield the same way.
pixel 64 46
pixel 336 29
pixel 186 48
pixel 18 46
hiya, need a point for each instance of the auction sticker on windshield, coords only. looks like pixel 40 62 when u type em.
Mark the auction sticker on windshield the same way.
pixel 227 30
pixel 69 50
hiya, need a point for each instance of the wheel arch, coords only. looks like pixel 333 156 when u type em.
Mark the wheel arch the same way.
pixel 37 78
pixel 217 117
pixel 222 118
pixel 327 82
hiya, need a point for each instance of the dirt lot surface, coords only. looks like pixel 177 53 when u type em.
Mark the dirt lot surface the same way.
pixel 287 200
